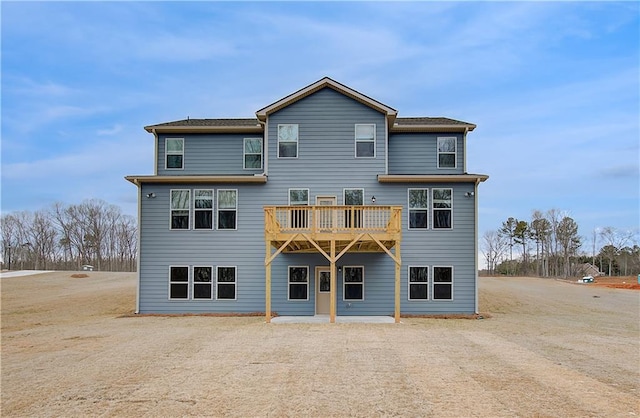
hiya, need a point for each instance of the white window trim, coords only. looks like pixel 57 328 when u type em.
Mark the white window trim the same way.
pixel 289 282
pixel 166 154
pixel 344 194
pixel 171 210
pixel 344 283
pixel 455 152
pixel 235 283
pixel 235 228
pixel 172 282
pixel 298 188
pixel 433 209
pixel 409 208
pixel 297 141
pixel 244 154
pixel 193 278
pixel 409 283
pixel 433 283
pixel 213 198
pixel 355 143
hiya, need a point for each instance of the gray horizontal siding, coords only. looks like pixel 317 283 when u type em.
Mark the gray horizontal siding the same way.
pixel 208 154
pixel 417 153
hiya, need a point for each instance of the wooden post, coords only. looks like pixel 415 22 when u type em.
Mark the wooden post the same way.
pixel 267 283
pixel 332 304
pixel 397 284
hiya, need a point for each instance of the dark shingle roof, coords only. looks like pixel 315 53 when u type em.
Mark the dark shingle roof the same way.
pixel 429 121
pixel 211 122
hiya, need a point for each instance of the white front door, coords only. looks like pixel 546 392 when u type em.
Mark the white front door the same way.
pixel 323 290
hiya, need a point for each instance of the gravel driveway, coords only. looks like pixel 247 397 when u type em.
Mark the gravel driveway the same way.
pixel 70 347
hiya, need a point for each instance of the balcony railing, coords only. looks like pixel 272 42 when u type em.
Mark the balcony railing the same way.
pixel 333 219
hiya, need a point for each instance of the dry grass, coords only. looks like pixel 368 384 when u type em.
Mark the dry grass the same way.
pixel 72 348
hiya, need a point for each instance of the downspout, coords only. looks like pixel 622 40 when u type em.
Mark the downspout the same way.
pixel 155 151
pixel 464 147
pixel 137 311
pixel 475 244
pixel 265 145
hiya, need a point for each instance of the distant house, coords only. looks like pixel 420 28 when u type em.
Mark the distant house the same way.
pixel 324 203
pixel 588 269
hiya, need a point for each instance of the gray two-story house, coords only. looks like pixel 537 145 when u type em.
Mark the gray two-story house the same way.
pixel 324 203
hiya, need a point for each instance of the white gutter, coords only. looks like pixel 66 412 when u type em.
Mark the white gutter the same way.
pixel 138 249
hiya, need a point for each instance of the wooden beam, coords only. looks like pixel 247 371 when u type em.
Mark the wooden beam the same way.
pixel 270 258
pixel 397 285
pixel 315 244
pixel 267 285
pixel 333 293
pixel 349 246
pixel 394 257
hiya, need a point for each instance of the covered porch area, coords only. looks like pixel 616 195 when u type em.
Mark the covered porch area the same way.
pixel 332 231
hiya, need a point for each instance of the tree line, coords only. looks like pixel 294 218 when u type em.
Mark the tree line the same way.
pixel 549 245
pixel 66 237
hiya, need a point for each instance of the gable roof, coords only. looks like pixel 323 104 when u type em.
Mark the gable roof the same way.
pixel 327 82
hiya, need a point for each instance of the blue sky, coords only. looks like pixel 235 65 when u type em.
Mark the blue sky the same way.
pixel 553 88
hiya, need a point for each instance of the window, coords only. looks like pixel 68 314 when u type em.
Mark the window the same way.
pixel 203 209
pixel 447 152
pixel 366 141
pixel 442 208
pixel 180 209
pixel 174 153
pixel 443 283
pixel 202 282
pixel 298 283
pixel 353 282
pixel 418 208
pixel 299 217
pixel 252 153
pixel 288 141
pixel 178 282
pixel 418 282
pixel 226 283
pixel 353 197
pixel 227 208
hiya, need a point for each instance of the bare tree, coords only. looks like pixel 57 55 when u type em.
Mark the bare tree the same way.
pixel 569 241
pixel 540 231
pixel 493 247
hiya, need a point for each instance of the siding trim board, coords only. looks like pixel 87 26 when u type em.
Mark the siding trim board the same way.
pixel 178 179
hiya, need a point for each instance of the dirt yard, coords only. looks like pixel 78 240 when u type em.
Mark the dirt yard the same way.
pixel 70 347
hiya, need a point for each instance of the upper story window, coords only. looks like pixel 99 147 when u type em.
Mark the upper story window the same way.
pixel 442 208
pixel 288 141
pixel 418 208
pixel 299 217
pixel 203 209
pixel 180 209
pixel 447 152
pixel 174 153
pixel 227 209
pixel 252 153
pixel 365 140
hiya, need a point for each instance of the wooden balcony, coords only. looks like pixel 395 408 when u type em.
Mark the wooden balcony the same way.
pixel 332 231
pixel 356 228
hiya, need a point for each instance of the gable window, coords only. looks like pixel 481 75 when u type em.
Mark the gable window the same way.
pixel 353 197
pixel 178 282
pixel 202 283
pixel 203 209
pixel 418 208
pixel 353 282
pixel 365 140
pixel 298 283
pixel 447 152
pixel 299 217
pixel 288 141
pixel 174 153
pixel 226 283
pixel 252 153
pixel 443 283
pixel 418 282
pixel 180 209
pixel 442 208
pixel 227 208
